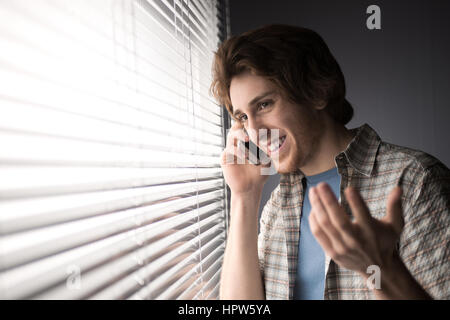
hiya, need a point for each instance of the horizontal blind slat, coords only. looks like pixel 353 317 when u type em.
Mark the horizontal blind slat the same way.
pixel 122 288
pixel 27 246
pixel 178 287
pixel 100 277
pixel 166 17
pixel 23 214
pixel 19 147
pixel 109 148
pixel 132 115
pixel 147 293
pixel 99 67
pixel 51 121
pixel 157 286
pixel 97 131
pixel 32 181
pixel 194 291
pixel 19 283
pixel 211 278
pixel 214 293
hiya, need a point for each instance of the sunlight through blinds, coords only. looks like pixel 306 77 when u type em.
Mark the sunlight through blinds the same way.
pixel 110 180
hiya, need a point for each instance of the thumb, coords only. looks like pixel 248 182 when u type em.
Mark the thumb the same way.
pixel 394 214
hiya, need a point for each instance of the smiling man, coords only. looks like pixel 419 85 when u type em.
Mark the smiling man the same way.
pixel 347 202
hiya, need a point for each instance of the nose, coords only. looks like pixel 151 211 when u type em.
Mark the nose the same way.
pixel 252 128
pixel 256 130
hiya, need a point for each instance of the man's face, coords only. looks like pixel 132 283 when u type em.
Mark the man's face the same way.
pixel 299 126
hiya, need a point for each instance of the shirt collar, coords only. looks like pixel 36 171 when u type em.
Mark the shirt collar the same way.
pixel 360 153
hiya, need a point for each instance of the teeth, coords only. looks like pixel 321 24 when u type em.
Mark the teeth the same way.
pixel 274 147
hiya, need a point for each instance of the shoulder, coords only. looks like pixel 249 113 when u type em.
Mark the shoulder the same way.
pixel 414 157
pixel 423 175
pixel 411 161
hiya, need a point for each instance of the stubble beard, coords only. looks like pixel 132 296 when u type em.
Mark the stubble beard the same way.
pixel 298 157
pixel 289 163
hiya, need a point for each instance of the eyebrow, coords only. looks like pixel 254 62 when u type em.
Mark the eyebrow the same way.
pixel 255 100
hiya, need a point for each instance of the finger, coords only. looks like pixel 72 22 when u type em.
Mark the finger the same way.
pixel 254 135
pixel 394 212
pixel 336 213
pixel 320 235
pixel 231 155
pixel 234 155
pixel 242 153
pixel 323 220
pixel 227 158
pixel 235 134
pixel 358 207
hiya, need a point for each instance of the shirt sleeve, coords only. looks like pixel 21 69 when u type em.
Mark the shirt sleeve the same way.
pixel 265 220
pixel 424 243
pixel 262 238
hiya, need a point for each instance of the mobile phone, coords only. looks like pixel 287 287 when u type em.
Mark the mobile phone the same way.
pixel 256 155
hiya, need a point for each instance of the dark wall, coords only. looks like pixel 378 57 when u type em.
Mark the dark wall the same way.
pixel 397 78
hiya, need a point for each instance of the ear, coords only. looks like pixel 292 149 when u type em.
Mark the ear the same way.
pixel 321 104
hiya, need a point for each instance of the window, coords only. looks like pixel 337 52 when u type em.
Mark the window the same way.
pixel 110 181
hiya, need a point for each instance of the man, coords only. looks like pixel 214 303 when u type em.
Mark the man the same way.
pixel 353 217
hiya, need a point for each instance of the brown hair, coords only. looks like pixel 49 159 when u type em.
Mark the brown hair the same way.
pixel 295 59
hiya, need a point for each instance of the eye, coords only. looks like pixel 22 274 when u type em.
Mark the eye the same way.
pixel 264 104
pixel 241 117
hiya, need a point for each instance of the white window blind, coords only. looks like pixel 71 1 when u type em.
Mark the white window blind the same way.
pixel 110 181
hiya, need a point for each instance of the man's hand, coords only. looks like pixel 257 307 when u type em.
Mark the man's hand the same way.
pixel 364 241
pixel 356 244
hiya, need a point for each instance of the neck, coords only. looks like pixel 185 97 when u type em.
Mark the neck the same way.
pixel 334 140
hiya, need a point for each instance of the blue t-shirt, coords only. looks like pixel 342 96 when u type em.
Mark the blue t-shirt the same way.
pixel 310 278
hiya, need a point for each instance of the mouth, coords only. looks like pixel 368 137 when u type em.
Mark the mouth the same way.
pixel 276 146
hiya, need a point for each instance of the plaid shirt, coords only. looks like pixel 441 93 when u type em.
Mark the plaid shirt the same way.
pixel 374 167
